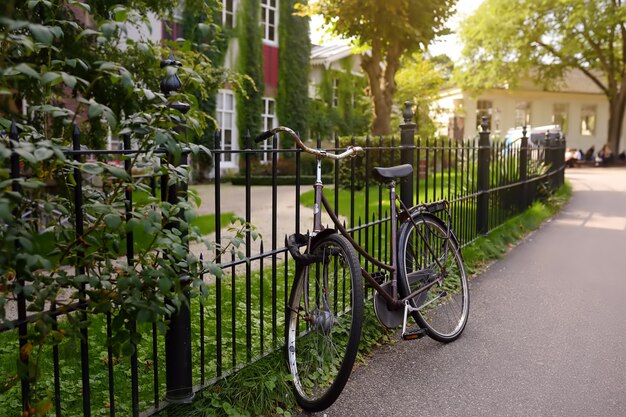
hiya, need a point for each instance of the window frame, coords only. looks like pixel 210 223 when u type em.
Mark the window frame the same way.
pixel 232 14
pixel 266 27
pixel 592 109
pixel 227 159
pixel 270 120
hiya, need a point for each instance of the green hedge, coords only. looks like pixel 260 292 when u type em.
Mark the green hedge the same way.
pixel 280 180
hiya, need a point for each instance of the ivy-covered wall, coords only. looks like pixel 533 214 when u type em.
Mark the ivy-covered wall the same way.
pixel 352 112
pixel 293 77
pixel 250 63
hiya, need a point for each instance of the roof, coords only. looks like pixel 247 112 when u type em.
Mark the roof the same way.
pixel 327 54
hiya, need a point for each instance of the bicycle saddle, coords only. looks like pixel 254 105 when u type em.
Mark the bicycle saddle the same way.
pixel 387 174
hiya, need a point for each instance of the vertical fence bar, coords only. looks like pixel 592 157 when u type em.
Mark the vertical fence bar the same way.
pixel 233 310
pixel 352 170
pixel 56 370
pixel 367 197
pixel 21 299
pixel 130 255
pixel 261 303
pixel 218 255
pixel 202 347
pixel 336 208
pixel 80 269
pixel 155 352
pixel 275 228
pixel 380 198
pixel 248 206
pixel 407 145
pixel 523 169
pixel 482 226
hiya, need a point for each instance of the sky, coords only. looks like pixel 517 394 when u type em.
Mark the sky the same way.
pixel 449 45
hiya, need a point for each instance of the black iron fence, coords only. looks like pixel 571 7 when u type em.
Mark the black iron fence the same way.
pixel 241 318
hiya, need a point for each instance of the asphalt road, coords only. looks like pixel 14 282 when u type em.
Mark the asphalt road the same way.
pixel 547 328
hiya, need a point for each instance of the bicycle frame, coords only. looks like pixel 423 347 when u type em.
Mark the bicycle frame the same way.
pixel 393 301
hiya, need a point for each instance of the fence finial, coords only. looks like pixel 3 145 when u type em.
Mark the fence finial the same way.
pixel 172 84
pixel 408 114
pixel 484 124
pixel 524 131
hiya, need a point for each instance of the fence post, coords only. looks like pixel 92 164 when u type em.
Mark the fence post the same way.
pixel 523 169
pixel 407 147
pixel 549 156
pixel 482 212
pixel 178 363
pixel 561 159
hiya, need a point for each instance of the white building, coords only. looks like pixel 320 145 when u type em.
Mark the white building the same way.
pixel 578 106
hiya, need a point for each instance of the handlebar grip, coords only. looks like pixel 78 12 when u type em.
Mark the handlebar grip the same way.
pixel 263 136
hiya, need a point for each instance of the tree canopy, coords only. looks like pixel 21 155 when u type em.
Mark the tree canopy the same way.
pixel 419 80
pixel 388 29
pixel 506 39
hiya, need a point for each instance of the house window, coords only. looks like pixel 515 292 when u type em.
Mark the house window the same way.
pixel 484 108
pixel 269 10
pixel 269 122
pixel 225 114
pixel 522 114
pixel 228 13
pixel 588 120
pixel 335 98
pixel 559 115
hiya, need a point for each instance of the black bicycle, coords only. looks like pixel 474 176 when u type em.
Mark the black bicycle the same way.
pixel 426 280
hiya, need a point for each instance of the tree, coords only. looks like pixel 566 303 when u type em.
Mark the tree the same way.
pixel 388 29
pixel 419 80
pixel 506 39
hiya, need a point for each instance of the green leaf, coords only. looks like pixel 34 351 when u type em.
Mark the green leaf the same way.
pixel 165 284
pixel 49 77
pixel 26 70
pixel 133 225
pixel 88 32
pixel 118 172
pixel 41 33
pixel 69 80
pixel 128 348
pixel 95 110
pixel 41 154
pixel 144 316
pixel 92 168
pixel 112 221
pixel 121 14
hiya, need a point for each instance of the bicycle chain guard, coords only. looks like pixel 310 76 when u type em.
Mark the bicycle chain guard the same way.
pixel 386 317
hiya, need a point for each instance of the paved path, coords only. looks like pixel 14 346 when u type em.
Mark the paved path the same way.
pixel 233 199
pixel 546 334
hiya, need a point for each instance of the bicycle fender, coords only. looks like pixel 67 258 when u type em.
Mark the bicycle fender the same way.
pixel 322 235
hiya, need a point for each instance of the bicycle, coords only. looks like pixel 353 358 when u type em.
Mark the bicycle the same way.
pixel 426 279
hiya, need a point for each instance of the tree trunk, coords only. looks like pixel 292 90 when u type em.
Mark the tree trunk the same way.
pixel 617 105
pixel 382 85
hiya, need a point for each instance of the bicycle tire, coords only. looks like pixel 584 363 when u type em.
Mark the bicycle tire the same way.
pixel 324 321
pixel 446 304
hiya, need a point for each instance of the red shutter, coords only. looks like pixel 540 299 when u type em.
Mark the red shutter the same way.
pixel 270 64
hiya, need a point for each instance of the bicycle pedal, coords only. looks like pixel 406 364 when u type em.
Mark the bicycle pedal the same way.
pixel 418 334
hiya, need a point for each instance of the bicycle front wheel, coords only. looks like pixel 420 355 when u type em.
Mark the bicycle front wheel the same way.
pixel 324 320
pixel 429 256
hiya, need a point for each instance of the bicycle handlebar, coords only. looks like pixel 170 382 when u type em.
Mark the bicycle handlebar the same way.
pixel 352 151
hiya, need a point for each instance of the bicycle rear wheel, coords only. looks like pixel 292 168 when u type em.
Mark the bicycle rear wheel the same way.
pixel 429 255
pixel 324 320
